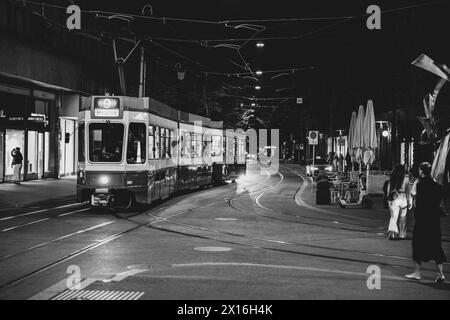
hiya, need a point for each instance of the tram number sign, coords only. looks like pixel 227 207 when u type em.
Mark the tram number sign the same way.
pixel 107 107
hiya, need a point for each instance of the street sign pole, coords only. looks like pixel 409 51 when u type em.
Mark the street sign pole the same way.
pixel 314 149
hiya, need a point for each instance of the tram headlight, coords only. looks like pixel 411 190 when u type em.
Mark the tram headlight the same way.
pixel 104 180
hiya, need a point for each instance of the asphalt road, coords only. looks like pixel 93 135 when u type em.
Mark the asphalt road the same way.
pixel 244 240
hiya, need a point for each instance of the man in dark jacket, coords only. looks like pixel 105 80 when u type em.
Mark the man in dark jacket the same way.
pixel 16 163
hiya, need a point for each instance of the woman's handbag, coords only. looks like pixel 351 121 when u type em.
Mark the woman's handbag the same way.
pixel 392 195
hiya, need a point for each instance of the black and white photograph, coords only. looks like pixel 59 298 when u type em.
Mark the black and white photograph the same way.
pixel 224 155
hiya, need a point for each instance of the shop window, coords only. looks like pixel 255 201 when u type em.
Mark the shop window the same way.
pixel 136 152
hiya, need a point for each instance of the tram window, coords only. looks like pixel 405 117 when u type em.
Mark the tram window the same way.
pixel 199 146
pixel 188 145
pixel 193 144
pixel 151 143
pixel 207 141
pixel 157 142
pixel 165 149
pixel 216 146
pixel 105 142
pixel 172 144
pixel 168 143
pixel 81 155
pixel 136 152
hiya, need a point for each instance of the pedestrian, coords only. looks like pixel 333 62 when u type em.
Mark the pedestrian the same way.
pixel 348 161
pixel 17 159
pixel 426 241
pixel 399 201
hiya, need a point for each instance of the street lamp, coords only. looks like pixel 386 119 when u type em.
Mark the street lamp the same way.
pixel 260 44
pixel 257 87
pixel 258 72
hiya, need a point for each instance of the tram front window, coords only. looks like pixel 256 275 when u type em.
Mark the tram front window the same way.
pixel 105 142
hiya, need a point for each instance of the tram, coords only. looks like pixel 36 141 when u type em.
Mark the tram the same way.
pixel 139 150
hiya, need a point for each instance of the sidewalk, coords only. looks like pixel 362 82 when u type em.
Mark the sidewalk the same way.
pixel 306 197
pixel 29 192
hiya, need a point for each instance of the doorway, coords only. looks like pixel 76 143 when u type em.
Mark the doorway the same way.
pixel 14 138
pixel 35 155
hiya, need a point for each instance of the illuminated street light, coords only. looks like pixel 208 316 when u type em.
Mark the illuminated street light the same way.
pixel 260 44
pixel 253 104
pixel 257 87
pixel 259 72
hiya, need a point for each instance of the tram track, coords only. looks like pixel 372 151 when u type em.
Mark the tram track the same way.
pixel 78 252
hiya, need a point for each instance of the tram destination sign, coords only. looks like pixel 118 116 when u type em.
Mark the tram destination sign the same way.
pixel 107 107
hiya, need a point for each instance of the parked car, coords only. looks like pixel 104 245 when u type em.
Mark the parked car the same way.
pixel 320 165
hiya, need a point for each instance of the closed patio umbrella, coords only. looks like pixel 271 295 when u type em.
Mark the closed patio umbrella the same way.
pixel 369 134
pixel 351 132
pixel 358 137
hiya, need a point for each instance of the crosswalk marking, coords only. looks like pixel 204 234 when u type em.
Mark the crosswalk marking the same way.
pixel 99 295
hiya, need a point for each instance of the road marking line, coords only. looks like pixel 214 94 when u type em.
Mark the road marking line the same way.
pixel 72 212
pixel 59 239
pixel 24 225
pixel 42 210
pixel 125 274
pixel 244 264
pixel 40 220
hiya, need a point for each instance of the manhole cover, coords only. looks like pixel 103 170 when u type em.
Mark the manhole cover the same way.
pixel 212 249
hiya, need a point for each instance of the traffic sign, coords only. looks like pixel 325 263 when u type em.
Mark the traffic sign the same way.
pixel 313 137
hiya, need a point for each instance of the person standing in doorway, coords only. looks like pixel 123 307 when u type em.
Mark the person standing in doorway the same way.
pixel 426 241
pixel 399 200
pixel 17 160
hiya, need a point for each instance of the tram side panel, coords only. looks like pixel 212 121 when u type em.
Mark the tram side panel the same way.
pixel 163 158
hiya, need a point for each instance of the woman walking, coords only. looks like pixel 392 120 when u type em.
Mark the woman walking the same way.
pixel 399 200
pixel 426 241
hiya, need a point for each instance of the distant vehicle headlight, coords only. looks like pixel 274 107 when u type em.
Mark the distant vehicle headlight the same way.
pixel 104 179
pixel 329 168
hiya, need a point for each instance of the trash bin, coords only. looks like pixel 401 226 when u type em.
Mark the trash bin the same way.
pixel 323 194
